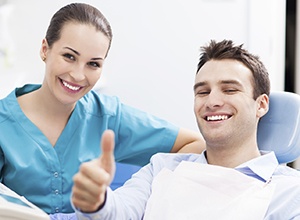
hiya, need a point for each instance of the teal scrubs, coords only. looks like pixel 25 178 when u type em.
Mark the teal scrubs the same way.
pixel 33 168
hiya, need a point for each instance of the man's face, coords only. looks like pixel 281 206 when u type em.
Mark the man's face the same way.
pixel 224 106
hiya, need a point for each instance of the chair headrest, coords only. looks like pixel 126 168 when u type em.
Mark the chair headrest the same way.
pixel 279 129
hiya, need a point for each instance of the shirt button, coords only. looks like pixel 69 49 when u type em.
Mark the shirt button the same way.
pixel 55 174
pixel 56 209
pixel 56 191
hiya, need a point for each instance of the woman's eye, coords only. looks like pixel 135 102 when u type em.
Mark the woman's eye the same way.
pixel 69 56
pixel 94 64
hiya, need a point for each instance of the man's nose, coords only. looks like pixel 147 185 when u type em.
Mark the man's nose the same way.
pixel 214 99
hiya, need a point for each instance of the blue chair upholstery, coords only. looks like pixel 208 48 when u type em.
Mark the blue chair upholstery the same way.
pixel 279 129
pixel 123 173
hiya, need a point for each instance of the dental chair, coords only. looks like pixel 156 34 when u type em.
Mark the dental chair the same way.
pixel 278 130
pixel 123 173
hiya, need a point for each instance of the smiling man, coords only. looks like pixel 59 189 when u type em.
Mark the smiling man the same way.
pixel 229 103
pixel 232 179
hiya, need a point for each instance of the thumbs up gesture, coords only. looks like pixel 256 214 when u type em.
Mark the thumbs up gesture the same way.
pixel 90 183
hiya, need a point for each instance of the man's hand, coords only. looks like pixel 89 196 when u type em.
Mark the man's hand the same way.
pixel 91 181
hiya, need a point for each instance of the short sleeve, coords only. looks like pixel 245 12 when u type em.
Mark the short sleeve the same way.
pixel 140 135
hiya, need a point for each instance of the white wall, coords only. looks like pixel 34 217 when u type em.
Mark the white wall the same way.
pixel 155 48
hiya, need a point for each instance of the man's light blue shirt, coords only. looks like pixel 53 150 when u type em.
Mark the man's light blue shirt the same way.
pixel 129 201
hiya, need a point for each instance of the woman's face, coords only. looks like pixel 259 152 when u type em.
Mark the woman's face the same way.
pixel 74 62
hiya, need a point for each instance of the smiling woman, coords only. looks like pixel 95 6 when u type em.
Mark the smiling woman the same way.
pixel 74 63
pixel 58 124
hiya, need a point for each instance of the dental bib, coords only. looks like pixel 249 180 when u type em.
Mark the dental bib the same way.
pixel 200 191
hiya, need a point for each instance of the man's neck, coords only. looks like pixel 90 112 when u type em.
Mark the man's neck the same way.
pixel 230 157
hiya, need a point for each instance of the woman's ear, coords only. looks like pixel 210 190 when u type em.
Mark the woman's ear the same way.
pixel 44 49
pixel 262 105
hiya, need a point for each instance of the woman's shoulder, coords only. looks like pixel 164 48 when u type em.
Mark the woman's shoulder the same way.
pixel 97 103
pixel 8 105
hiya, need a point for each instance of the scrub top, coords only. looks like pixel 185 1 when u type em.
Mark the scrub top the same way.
pixel 43 173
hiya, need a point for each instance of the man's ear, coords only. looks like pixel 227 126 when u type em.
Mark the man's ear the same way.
pixel 262 105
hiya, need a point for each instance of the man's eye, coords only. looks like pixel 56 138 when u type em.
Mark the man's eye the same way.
pixel 69 56
pixel 201 93
pixel 94 64
pixel 230 90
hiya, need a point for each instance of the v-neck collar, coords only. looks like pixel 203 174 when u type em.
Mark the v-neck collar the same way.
pixel 31 129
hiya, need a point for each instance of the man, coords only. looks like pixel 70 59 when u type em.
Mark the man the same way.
pixel 232 179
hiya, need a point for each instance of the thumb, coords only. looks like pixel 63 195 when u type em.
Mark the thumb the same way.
pixel 107 159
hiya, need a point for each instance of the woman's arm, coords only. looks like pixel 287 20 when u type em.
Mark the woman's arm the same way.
pixel 188 141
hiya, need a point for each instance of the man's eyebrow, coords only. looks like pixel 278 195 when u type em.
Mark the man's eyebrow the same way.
pixel 234 82
pixel 77 53
pixel 225 82
pixel 199 84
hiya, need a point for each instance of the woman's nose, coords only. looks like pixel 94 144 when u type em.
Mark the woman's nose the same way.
pixel 78 74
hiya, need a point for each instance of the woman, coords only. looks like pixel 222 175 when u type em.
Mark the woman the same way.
pixel 48 130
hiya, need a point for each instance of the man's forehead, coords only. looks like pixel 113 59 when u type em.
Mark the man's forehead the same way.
pixel 224 72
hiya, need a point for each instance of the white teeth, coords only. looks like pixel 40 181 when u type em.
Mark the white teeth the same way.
pixel 217 117
pixel 74 88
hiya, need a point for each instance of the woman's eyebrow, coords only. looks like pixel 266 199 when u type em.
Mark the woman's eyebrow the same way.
pixel 77 53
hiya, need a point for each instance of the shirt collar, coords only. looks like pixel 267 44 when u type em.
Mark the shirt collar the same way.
pixel 263 166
